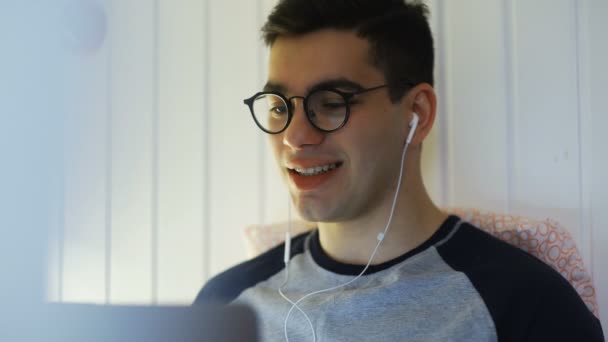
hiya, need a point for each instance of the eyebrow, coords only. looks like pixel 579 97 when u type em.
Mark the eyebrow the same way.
pixel 336 83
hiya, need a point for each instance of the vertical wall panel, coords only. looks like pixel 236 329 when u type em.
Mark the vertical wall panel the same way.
pixel 597 12
pixel 180 240
pixel 206 140
pixel 275 192
pixel 132 148
pixel 433 163
pixel 83 254
pixel 510 29
pixel 233 161
pixel 155 146
pixel 108 43
pixel 584 130
pixel 260 16
pixel 443 50
pixel 477 103
pixel 546 139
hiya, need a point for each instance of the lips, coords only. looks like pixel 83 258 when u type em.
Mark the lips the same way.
pixel 314 176
pixel 313 171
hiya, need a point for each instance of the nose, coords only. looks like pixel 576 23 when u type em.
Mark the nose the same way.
pixel 300 132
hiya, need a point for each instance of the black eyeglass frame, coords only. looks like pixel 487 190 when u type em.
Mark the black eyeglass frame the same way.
pixel 347 96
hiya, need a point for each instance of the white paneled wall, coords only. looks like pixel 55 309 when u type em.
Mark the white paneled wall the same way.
pixel 164 166
pixel 547 173
pixel 476 105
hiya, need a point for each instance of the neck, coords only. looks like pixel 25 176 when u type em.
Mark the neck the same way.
pixel 414 220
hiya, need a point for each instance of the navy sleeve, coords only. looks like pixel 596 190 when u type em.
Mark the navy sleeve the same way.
pixel 561 317
pixel 528 300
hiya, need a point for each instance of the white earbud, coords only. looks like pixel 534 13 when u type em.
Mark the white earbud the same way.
pixel 287 250
pixel 413 125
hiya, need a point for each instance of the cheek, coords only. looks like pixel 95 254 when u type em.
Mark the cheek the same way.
pixel 378 146
pixel 380 134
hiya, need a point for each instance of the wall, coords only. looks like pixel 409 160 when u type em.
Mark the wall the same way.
pixel 164 166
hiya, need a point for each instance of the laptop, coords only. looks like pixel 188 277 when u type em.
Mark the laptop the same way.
pixel 96 323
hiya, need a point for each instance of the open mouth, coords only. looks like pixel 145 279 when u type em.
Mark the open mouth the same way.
pixel 317 170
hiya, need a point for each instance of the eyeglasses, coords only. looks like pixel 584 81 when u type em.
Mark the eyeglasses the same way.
pixel 326 109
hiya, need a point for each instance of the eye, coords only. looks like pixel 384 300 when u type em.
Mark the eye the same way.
pixel 332 105
pixel 327 101
pixel 274 105
pixel 278 109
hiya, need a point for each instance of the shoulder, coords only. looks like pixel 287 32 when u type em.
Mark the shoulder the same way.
pixel 228 285
pixel 472 249
pixel 497 269
pixel 524 295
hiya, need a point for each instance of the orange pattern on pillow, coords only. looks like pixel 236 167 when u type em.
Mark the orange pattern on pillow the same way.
pixel 546 240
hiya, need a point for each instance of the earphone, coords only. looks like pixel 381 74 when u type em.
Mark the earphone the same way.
pixel 413 125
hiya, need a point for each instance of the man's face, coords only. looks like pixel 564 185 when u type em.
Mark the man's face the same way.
pixel 362 158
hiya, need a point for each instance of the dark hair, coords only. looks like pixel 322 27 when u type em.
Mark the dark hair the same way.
pixel 397 30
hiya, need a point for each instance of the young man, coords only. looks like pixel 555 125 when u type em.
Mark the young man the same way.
pixel 349 93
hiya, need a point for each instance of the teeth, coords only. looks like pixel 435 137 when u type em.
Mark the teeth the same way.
pixel 316 170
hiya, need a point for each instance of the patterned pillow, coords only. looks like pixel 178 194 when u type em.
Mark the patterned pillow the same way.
pixel 547 240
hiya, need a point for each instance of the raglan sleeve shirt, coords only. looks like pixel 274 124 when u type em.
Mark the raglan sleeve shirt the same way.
pixel 460 285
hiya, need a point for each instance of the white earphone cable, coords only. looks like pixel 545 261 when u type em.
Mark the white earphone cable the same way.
pixel 380 238
pixel 286 260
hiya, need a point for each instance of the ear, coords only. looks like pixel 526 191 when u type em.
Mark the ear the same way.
pixel 422 100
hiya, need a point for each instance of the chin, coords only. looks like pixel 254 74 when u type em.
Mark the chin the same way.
pixel 314 212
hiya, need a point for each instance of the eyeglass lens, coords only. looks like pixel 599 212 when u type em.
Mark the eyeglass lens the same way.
pixel 326 109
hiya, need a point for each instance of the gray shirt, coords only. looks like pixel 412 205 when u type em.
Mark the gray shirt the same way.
pixel 460 285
